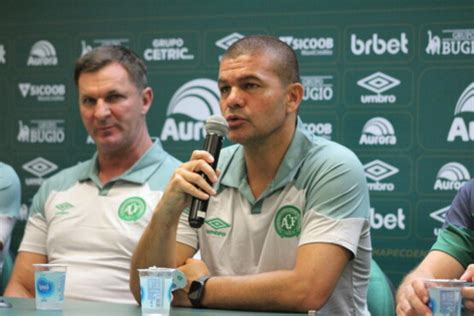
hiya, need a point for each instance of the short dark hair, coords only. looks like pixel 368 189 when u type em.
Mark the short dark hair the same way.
pixel 102 56
pixel 286 66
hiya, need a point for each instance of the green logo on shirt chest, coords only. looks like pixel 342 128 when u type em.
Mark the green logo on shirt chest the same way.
pixel 62 209
pixel 217 224
pixel 288 221
pixel 132 209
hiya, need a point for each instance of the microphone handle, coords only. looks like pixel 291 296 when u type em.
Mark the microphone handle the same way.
pixel 197 212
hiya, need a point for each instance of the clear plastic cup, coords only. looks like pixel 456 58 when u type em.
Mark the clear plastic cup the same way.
pixel 49 286
pixel 156 285
pixel 445 296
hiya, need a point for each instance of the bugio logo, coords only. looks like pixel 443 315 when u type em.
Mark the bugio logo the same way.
pixel 451 42
pixel 462 128
pixel 3 53
pixel 317 88
pixel 38 167
pixel 85 47
pixel 378 170
pixel 378 131
pixel 189 107
pixel 378 83
pixel 451 176
pixel 440 216
pixel 41 131
pixel 42 53
pixel 379 46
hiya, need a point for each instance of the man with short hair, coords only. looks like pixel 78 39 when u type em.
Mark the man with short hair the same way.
pixel 90 216
pixel 451 257
pixel 287 224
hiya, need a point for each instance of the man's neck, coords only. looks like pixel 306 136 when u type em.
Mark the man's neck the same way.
pixel 263 160
pixel 113 164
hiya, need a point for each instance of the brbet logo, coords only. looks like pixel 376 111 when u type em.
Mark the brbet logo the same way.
pixel 379 46
pixel 378 83
pixel 440 216
pixel 455 42
pixel 310 46
pixel 451 176
pixel 197 99
pixel 460 127
pixel 388 221
pixel 42 53
pixel 38 167
pixel 167 49
pixel 2 54
pixel 317 88
pixel 378 131
pixel 41 131
pixel 227 41
pixel 378 170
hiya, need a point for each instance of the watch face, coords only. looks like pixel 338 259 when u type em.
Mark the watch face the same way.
pixel 196 290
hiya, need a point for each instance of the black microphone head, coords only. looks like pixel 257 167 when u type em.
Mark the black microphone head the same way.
pixel 216 124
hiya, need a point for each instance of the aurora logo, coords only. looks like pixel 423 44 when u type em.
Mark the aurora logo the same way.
pixel 461 127
pixel 378 131
pixel 451 176
pixel 42 53
pixel 194 101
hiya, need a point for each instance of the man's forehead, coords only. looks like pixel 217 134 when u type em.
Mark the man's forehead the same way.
pixel 245 66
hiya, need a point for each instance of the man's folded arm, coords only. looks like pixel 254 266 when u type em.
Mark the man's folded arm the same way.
pixel 22 281
pixel 308 286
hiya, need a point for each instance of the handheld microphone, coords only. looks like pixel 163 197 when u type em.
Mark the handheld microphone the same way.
pixel 216 128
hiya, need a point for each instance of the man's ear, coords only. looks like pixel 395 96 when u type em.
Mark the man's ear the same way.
pixel 294 96
pixel 147 99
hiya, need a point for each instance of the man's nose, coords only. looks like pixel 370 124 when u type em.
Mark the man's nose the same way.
pixel 234 99
pixel 102 109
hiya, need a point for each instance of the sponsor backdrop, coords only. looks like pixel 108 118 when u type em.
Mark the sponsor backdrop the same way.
pixel 394 81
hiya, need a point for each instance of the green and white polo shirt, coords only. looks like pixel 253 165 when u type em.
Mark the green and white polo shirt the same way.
pixel 93 228
pixel 319 195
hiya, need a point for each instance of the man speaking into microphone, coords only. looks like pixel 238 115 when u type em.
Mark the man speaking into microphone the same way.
pixel 286 227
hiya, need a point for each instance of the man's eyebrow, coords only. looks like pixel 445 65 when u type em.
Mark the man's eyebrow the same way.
pixel 240 79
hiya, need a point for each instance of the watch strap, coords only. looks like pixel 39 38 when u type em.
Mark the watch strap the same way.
pixel 201 282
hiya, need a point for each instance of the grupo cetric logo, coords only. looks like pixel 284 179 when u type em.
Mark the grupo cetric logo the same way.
pixel 462 127
pixel 132 209
pixel 288 221
pixel 451 176
pixel 378 131
pixel 378 170
pixel 189 107
pixel 42 53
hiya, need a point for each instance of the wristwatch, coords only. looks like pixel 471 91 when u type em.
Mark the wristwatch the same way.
pixel 196 291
